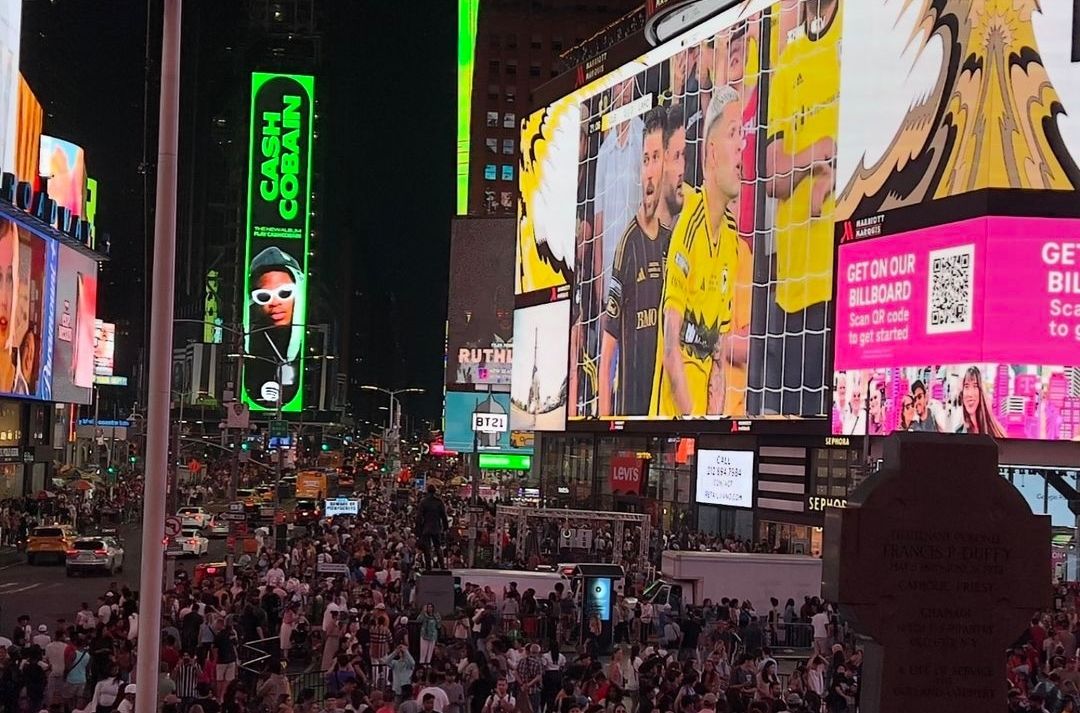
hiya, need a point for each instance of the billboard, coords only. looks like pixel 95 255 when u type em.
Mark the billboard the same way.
pixel 725 478
pixel 27 301
pixel 996 105
pixel 10 29
pixel 28 127
pixel 278 225
pixel 76 305
pixel 974 325
pixel 686 201
pixel 539 385
pixel 64 165
pixel 480 313
pixel 458 427
pixel 104 348
pixel 468 14
pixel 90 204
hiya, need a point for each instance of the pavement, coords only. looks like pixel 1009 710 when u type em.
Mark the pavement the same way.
pixel 46 593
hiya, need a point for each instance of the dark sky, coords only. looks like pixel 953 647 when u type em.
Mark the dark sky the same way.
pixel 387 88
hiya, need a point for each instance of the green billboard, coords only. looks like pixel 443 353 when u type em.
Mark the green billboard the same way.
pixel 278 229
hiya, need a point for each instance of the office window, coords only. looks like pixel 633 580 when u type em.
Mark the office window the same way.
pixel 511 41
pixel 507 172
pixel 493 66
pixel 493 92
pixel 511 95
pixel 493 119
pixel 511 68
pixel 509 120
pixel 536 42
pixel 534 70
pixel 508 147
pixel 556 43
pixel 489 172
pixel 492 145
pixel 506 200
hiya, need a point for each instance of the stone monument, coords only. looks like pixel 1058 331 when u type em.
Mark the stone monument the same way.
pixel 939 561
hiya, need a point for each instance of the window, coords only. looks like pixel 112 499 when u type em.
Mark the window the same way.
pixel 489 201
pixel 493 119
pixel 492 145
pixel 534 70
pixel 511 41
pixel 493 92
pixel 507 172
pixel 536 42
pixel 489 172
pixel 556 43
pixel 493 66
pixel 493 41
pixel 506 200
pixel 509 120
pixel 511 95
pixel 508 147
pixel 511 68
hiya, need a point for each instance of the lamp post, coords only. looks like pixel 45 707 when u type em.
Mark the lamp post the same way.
pixel 392 424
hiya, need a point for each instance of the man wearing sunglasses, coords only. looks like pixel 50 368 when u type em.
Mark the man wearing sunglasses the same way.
pixel 276 312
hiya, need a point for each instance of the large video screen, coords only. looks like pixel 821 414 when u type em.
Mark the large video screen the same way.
pixel 27 299
pixel 64 165
pixel 76 306
pixel 686 199
pixel 458 423
pixel 539 386
pixel 972 327
pixel 480 314
pixel 278 224
pixel 940 99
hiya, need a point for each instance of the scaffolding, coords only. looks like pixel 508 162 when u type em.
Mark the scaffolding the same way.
pixel 506 515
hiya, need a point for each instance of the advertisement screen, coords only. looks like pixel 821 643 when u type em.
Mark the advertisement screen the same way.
pixel 64 164
pixel 538 388
pixel 480 326
pixel 31 117
pixel 972 327
pixel 687 201
pixel 10 29
pixel 1032 483
pixel 104 348
pixel 725 478
pixel 27 300
pixel 458 426
pixel 76 305
pixel 995 105
pixel 278 222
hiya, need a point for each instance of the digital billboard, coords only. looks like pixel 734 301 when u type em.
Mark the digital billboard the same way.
pixel 278 224
pixel 28 127
pixel 104 348
pixel 10 29
pixel 64 165
pixel 76 305
pixel 457 429
pixel 27 299
pixel 468 14
pixel 480 312
pixel 969 327
pixel 940 99
pixel 686 200
pixel 539 386
pixel 725 478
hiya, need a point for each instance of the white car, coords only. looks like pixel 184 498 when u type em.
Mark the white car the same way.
pixel 191 516
pixel 218 527
pixel 95 554
pixel 193 543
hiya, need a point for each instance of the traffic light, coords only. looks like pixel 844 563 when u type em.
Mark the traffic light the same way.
pixel 112 470
pixel 245 446
pixel 133 459
pixel 325 446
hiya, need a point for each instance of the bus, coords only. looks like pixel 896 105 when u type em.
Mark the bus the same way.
pixel 312 484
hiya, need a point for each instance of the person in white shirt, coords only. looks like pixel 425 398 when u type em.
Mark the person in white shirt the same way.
pixel 54 655
pixel 85 619
pixel 442 701
pixel 128 704
pixel 42 638
pixel 104 612
pixel 275 576
pixel 820 623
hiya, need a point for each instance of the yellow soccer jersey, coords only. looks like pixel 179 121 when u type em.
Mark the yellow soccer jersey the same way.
pixel 803 109
pixel 699 284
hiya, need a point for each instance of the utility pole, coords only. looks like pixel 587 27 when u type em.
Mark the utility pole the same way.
pixel 161 345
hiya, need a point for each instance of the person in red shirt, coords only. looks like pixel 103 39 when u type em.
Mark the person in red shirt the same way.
pixel 169 652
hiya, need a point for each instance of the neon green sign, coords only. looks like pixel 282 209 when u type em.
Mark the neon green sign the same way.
pixel 278 232
pixel 505 461
pixel 468 12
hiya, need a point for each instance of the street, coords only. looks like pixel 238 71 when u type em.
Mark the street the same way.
pixel 46 593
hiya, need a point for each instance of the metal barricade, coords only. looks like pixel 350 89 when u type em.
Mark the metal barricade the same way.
pixel 797 635
pixel 315 680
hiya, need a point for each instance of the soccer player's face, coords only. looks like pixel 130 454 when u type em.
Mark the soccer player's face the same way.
pixel 275 293
pixel 736 60
pixel 674 169
pixel 652 171
pixel 678 73
pixel 725 151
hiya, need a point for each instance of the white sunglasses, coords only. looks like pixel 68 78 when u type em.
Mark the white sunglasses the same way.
pixel 263 296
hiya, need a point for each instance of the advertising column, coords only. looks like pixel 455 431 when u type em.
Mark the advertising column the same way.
pixel 278 225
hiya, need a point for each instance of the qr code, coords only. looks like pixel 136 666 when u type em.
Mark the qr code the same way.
pixel 951 290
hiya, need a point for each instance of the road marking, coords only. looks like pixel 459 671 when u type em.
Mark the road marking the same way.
pixel 27 588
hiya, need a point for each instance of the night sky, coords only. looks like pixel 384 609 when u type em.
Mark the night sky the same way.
pixel 387 92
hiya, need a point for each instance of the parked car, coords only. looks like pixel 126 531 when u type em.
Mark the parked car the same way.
pixel 90 554
pixel 218 527
pixel 49 541
pixel 197 517
pixel 193 543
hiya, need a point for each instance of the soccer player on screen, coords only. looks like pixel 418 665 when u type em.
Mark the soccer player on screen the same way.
pixel 630 321
pixel 671 201
pixel 699 279
pixel 803 117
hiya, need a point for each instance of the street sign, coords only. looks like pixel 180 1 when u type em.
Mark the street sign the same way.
pixel 279 429
pixel 341 506
pixel 332 568
pixel 233 516
pixel 267 512
pixel 490 422
pixel 172 526
pixel 236 507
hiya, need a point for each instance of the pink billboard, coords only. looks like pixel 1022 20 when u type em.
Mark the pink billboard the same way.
pixel 993 303
pixel 982 290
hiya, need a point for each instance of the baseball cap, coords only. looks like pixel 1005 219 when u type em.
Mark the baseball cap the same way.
pixel 42 628
pixel 380 605
pixel 709 698
pixel 130 688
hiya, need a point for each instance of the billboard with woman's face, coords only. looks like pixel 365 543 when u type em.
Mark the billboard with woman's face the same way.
pixel 27 295
pixel 279 213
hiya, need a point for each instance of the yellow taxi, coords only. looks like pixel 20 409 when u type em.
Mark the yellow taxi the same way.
pixel 265 493
pixel 50 541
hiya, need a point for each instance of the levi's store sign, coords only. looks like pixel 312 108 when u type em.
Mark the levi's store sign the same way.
pixel 627 475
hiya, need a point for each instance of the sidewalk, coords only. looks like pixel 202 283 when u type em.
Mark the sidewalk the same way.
pixel 9 555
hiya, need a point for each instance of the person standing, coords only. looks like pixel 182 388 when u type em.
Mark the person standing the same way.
pixel 430 622
pixel 432 522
